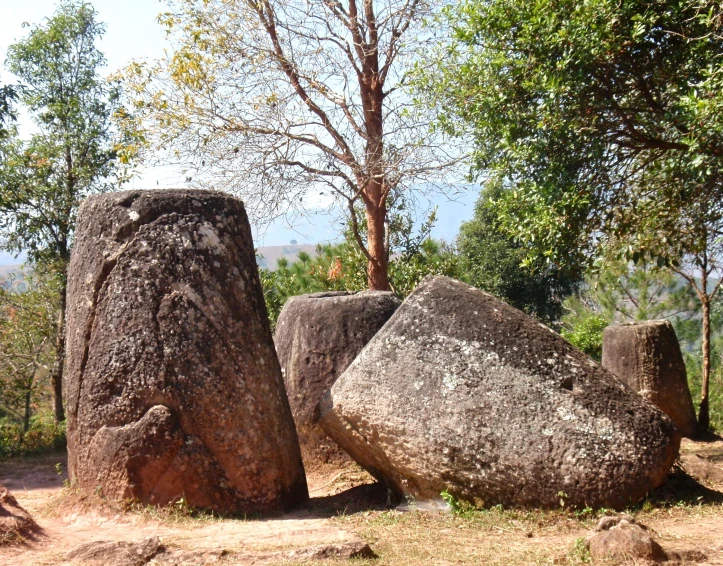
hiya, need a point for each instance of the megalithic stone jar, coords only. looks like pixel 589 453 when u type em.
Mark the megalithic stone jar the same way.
pixel 173 386
pixel 646 357
pixel 460 392
pixel 317 337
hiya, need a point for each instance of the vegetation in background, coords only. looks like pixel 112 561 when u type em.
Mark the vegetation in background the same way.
pixel 76 152
pixel 27 353
pixel 491 259
pixel 342 267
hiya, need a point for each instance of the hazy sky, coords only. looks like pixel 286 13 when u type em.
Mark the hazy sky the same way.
pixel 132 33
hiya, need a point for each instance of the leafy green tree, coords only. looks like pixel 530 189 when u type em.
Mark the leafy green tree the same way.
pixel 7 114
pixel 492 260
pixel 27 332
pixel 603 118
pixel 76 152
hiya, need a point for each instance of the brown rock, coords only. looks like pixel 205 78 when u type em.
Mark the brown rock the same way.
pixel 463 393
pixel 317 337
pixel 623 540
pixel 173 386
pixel 117 553
pixel 16 524
pixel 355 548
pixel 646 356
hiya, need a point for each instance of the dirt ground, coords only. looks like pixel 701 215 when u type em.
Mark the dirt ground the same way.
pixel 346 506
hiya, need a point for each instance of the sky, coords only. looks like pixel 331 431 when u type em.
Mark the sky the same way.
pixel 133 33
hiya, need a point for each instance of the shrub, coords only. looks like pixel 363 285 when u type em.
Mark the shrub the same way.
pixel 43 435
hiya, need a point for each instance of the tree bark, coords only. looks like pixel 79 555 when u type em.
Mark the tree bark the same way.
pixel 377 273
pixel 59 363
pixel 26 416
pixel 703 412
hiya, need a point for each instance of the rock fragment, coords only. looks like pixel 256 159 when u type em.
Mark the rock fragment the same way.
pixel 16 524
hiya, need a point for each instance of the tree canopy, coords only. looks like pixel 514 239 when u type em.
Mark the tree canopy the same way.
pixel 603 118
pixel 491 259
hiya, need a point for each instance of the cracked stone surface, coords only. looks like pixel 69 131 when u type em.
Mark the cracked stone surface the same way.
pixel 646 357
pixel 317 336
pixel 173 386
pixel 461 392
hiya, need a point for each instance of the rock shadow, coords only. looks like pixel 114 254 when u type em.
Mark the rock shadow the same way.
pixel 366 497
pixel 682 488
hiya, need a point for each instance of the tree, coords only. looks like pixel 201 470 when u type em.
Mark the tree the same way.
pixel 7 114
pixel 492 260
pixel 27 331
pixel 279 101
pixel 602 117
pixel 76 152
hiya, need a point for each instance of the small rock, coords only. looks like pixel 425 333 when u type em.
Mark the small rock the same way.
pixel 117 553
pixel 16 524
pixel 621 540
pixel 356 548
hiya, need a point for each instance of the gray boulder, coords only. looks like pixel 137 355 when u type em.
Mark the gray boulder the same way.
pixel 317 337
pixel 173 385
pixel 461 392
pixel 646 357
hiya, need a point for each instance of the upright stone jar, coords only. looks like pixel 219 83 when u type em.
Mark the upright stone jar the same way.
pixel 317 337
pixel 646 357
pixel 173 386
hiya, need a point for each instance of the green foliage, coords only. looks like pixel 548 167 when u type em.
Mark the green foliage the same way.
pixel 603 117
pixel 580 552
pixel 342 267
pixel 492 260
pixel 7 113
pixel 27 332
pixel 583 328
pixel 76 151
pixel 693 365
pixel 43 435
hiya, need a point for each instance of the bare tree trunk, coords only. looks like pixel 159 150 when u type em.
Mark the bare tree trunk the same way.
pixel 59 363
pixel 703 413
pixel 377 275
pixel 26 416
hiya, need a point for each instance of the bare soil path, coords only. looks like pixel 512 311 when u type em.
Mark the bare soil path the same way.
pixel 346 506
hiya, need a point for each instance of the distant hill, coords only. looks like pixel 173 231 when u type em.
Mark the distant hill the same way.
pixel 268 255
pixel 11 276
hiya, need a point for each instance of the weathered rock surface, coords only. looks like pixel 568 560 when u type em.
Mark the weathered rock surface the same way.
pixel 117 553
pixel 16 524
pixel 317 337
pixel 173 386
pixel 461 392
pixel 646 356
pixel 153 551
